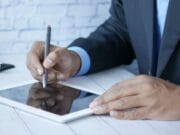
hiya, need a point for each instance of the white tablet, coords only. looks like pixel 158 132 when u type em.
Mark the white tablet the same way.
pixel 56 102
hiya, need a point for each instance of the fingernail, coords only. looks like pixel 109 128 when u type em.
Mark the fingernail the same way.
pixel 49 61
pixel 39 71
pixel 98 109
pixel 94 104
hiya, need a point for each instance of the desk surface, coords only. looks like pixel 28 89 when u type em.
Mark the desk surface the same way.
pixel 14 121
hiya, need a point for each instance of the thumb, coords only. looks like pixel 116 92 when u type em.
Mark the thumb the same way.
pixel 51 60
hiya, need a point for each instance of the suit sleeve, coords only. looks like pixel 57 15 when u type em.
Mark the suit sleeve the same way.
pixel 109 45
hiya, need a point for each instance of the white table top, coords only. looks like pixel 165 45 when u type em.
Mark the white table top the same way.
pixel 14 121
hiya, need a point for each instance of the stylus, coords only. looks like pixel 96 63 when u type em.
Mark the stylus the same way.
pixel 46 52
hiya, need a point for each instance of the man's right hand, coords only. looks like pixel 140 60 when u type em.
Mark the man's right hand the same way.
pixel 61 63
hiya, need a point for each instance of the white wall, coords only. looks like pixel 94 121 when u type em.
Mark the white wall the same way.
pixel 25 21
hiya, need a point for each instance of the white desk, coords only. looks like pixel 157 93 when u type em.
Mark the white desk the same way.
pixel 16 122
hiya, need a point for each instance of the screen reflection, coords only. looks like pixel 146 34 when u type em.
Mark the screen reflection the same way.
pixel 55 98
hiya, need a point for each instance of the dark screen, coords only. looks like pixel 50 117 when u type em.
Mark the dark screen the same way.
pixel 55 98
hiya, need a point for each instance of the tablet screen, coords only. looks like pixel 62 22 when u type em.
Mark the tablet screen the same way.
pixel 56 98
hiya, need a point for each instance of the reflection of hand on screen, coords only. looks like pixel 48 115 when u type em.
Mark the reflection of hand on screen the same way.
pixel 56 98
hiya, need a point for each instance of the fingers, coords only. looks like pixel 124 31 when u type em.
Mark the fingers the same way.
pixel 54 57
pixel 123 89
pixel 34 64
pixel 39 94
pixel 120 104
pixel 51 76
pixel 34 103
pixel 33 60
pixel 51 102
pixel 58 62
pixel 132 114
pixel 38 102
pixel 54 76
pixel 51 60
pixel 62 76
pixel 115 92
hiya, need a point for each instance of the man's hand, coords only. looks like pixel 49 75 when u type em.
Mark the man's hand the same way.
pixel 61 63
pixel 142 97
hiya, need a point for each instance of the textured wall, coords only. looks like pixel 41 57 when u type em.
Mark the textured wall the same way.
pixel 24 21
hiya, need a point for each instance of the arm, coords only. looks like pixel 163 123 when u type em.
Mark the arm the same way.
pixel 109 45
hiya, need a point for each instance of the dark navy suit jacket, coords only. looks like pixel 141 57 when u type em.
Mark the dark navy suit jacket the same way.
pixel 128 34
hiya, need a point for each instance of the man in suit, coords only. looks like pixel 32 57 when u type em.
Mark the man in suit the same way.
pixel 146 30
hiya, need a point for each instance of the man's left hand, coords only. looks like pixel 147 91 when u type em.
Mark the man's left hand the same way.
pixel 142 97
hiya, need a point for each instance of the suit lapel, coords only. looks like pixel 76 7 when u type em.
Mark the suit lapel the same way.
pixel 147 12
pixel 170 36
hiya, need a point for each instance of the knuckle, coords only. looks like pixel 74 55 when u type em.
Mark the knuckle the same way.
pixel 154 85
pixel 61 50
pixel 147 81
pixel 59 53
pixel 143 77
pixel 123 101
pixel 151 85
pixel 55 54
pixel 38 43
pixel 123 92
pixel 37 47
pixel 37 77
pixel 118 105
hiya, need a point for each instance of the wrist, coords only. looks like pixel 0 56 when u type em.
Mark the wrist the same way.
pixel 176 103
pixel 76 63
